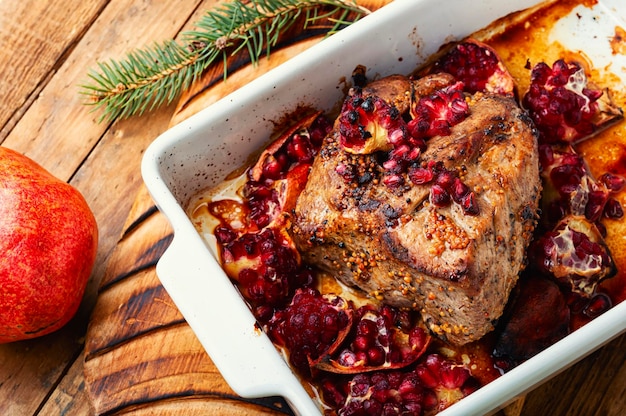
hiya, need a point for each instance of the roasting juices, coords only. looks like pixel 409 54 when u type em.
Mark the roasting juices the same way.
pixel 339 235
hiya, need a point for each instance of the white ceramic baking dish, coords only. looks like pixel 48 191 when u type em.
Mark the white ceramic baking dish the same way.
pixel 202 150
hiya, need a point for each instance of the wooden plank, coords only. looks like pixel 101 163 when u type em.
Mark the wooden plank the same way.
pixel 60 133
pixel 134 318
pixel 58 118
pixel 166 365
pixel 40 34
pixel 69 397
pixel 30 368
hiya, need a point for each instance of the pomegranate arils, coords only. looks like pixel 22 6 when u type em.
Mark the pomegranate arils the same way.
pixel 613 182
pixel 389 393
pixel 613 209
pixel 572 250
pixel 478 67
pixel 299 149
pixel 447 187
pixel 421 175
pixel 564 107
pixel 224 235
pixel 448 380
pixel 439 196
pixel 378 343
pixel 264 266
pixel 569 187
pixel 256 251
pixel 436 114
pixel 312 326
pixel 597 305
pixel 575 254
pixel 369 124
pixel 431 386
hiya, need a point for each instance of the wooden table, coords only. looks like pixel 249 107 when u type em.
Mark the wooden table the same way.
pixel 47 49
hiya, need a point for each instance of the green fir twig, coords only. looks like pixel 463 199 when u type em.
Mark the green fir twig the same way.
pixel 153 76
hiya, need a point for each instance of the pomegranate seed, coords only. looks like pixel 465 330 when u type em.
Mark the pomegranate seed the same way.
pixel 393 181
pixel 224 235
pixel 469 205
pixel 439 196
pixel 597 305
pixel 614 183
pixel 613 209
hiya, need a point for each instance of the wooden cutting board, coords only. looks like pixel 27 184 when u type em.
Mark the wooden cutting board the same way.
pixel 141 357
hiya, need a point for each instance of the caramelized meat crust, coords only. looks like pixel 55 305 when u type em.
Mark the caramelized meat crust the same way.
pixel 394 244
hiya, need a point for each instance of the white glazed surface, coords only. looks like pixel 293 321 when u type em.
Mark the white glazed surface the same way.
pixel 202 150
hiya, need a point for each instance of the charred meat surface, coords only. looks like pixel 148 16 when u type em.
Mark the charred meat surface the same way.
pixel 399 241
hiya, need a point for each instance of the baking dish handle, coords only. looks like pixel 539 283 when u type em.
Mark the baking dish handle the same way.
pixel 226 328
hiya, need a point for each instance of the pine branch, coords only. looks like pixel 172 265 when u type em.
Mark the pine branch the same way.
pixel 157 75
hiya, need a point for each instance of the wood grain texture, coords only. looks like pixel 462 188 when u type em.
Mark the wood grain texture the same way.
pixel 48 48
pixel 140 355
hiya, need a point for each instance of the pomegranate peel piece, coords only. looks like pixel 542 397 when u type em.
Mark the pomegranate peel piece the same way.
pixel 478 67
pixel 377 344
pixel 575 254
pixel 570 188
pixel 565 106
pixel 369 124
pixel 276 159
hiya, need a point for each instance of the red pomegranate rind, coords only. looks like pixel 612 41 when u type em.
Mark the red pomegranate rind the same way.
pixel 369 124
pixel 539 317
pixel 312 326
pixel 575 254
pixel 478 67
pixel 377 343
pixel 565 107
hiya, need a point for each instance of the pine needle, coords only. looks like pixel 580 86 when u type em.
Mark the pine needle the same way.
pixel 157 75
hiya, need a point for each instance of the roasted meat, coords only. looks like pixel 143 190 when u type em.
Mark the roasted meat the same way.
pixel 401 241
